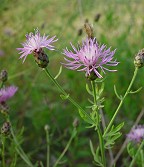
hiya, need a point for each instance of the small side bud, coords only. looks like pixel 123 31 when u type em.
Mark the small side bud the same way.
pixel 139 59
pixel 75 123
pixel 46 127
pixel 5 128
pixel 3 76
pixel 97 17
pixel 41 58
pixel 89 30
pixel 92 76
pixel 80 31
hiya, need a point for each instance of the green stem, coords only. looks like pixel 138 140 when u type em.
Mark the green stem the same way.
pixel 121 102
pixel 48 146
pixel 3 151
pixel 142 158
pixel 101 141
pixel 18 147
pixel 2 84
pixel 66 148
pixel 139 149
pixel 67 95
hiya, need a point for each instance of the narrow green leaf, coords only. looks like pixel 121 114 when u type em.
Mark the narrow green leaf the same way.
pixel 92 149
pixel 85 117
pixel 64 97
pixel 59 72
pixel 115 90
pixel 136 91
pixel 88 90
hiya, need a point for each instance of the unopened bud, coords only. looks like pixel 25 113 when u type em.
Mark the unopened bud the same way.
pixel 3 76
pixel 139 59
pixel 92 76
pixel 41 58
pixel 75 122
pixel 97 17
pixel 46 127
pixel 89 30
pixel 5 128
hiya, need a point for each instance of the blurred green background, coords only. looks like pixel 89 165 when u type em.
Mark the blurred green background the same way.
pixel 37 102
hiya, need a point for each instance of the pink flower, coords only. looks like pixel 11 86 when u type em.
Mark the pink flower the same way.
pixel 136 134
pixel 90 57
pixel 34 43
pixel 7 93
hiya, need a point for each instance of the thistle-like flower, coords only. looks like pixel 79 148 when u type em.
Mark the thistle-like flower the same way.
pixel 136 134
pixel 34 44
pixel 90 57
pixel 7 93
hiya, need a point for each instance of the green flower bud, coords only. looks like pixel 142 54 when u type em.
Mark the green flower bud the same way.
pixel 3 76
pixel 41 58
pixel 139 59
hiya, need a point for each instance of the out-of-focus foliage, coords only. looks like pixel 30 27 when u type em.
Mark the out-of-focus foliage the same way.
pixel 38 102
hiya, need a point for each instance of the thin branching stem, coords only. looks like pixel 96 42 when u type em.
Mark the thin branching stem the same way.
pixel 101 141
pixel 67 95
pixel 121 102
pixel 66 148
pixel 48 146
pixel 19 149
pixel 3 151
pixel 139 149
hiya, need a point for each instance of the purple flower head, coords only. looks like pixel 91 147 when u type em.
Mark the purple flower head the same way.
pixel 34 43
pixel 7 93
pixel 136 134
pixel 90 57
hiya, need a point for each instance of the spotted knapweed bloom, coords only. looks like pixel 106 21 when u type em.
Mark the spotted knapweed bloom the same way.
pixel 34 44
pixel 6 93
pixel 136 134
pixel 90 57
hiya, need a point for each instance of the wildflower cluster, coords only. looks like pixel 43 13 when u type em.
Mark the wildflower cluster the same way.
pixel 90 57
pixel 94 59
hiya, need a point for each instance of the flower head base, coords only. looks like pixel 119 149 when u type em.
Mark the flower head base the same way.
pixel 34 44
pixel 136 134
pixel 41 58
pixel 90 57
pixel 7 93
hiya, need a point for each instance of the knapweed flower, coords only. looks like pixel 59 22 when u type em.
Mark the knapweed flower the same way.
pixel 35 44
pixel 136 134
pixel 6 93
pixel 90 57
